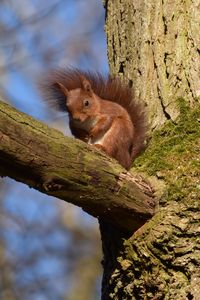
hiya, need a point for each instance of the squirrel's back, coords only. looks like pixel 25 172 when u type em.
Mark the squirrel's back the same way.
pixel 109 88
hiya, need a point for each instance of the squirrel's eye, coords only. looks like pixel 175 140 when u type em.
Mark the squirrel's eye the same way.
pixel 86 103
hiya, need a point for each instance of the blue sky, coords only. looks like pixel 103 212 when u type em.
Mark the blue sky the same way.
pixel 19 85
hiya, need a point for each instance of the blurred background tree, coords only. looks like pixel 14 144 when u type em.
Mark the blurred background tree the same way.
pixel 42 238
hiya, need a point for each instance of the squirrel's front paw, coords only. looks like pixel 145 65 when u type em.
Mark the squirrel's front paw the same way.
pixel 93 133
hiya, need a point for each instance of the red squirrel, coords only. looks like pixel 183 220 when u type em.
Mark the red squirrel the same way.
pixel 102 111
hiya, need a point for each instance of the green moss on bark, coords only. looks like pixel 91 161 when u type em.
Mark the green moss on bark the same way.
pixel 173 154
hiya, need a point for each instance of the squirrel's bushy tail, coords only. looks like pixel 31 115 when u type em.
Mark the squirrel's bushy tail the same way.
pixel 115 90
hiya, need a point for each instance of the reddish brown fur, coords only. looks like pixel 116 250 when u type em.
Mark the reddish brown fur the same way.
pixel 116 99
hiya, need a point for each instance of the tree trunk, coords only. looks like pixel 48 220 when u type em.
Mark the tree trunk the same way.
pixel 154 45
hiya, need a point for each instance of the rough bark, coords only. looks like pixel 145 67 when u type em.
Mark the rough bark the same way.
pixel 155 46
pixel 71 170
pixel 162 259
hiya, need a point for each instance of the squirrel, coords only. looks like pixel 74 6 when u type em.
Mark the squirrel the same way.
pixel 102 111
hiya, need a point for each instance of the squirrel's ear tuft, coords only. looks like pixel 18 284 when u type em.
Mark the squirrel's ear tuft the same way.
pixel 62 88
pixel 86 85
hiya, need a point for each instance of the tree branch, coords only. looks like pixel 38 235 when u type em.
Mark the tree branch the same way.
pixel 43 158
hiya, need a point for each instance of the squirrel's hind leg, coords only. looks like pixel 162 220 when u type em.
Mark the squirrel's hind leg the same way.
pixel 100 147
